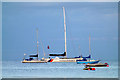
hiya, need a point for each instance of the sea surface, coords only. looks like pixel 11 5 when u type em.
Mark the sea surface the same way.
pixel 16 69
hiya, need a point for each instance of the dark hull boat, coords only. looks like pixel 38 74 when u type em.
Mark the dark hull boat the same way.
pixel 89 68
pixel 97 65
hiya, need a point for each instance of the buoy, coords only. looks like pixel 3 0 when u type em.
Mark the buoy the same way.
pixel 89 69
pixel 93 68
pixel 107 65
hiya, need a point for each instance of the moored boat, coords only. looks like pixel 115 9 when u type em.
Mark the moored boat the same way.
pixel 97 65
pixel 64 54
pixel 88 62
pixel 89 68
pixel 31 57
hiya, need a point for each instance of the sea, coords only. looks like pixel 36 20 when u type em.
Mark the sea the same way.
pixel 16 69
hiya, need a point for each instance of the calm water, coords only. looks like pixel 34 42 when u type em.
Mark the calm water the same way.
pixel 17 69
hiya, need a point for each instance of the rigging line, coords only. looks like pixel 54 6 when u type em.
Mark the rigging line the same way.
pixel 89 46
pixel 80 51
pixel 40 42
pixel 72 43
pixel 42 47
pixel 37 43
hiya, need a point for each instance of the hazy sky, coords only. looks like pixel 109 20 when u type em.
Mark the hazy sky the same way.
pixel 20 20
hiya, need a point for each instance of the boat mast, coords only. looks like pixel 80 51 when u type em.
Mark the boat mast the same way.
pixel 37 42
pixel 89 48
pixel 65 31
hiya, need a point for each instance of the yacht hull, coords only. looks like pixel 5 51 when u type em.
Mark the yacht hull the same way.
pixel 88 62
pixel 97 65
pixel 65 60
pixel 34 61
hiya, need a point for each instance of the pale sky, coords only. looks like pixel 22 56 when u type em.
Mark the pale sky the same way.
pixel 98 19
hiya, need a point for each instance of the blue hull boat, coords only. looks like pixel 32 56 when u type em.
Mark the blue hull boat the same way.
pixel 88 62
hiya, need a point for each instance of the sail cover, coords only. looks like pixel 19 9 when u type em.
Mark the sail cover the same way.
pixel 88 56
pixel 34 55
pixel 57 54
pixel 84 57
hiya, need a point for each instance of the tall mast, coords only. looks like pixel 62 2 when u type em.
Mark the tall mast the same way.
pixel 65 31
pixel 89 47
pixel 37 42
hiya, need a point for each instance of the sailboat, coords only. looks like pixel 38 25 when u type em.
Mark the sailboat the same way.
pixel 64 54
pixel 89 61
pixel 31 57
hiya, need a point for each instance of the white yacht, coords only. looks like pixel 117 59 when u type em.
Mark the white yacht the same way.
pixel 64 54
pixel 31 57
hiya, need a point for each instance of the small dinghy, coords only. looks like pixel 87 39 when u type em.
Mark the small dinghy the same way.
pixel 89 68
pixel 97 65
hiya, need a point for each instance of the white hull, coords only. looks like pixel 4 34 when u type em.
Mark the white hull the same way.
pixel 34 61
pixel 63 59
